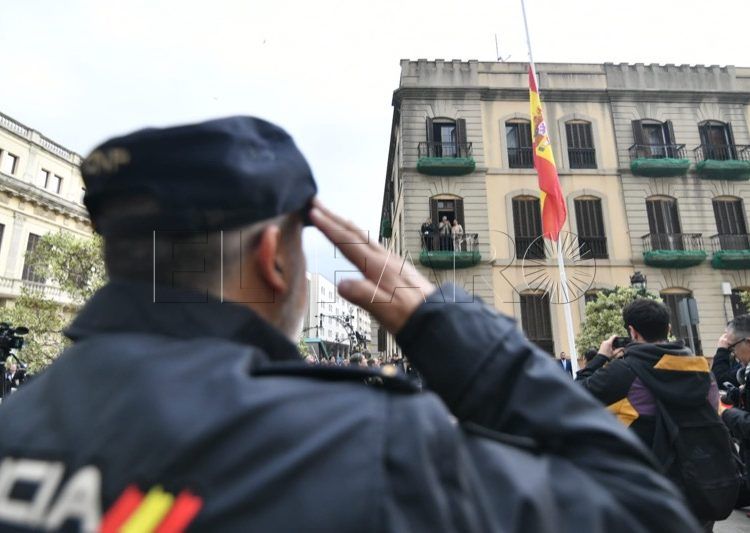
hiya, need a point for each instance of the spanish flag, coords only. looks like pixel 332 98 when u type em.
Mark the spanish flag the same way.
pixel 551 197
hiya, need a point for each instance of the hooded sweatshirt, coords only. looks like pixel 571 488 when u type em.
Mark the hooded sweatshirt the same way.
pixel 674 376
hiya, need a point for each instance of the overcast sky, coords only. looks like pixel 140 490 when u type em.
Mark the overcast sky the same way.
pixel 80 71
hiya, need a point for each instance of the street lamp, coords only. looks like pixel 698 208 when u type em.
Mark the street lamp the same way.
pixel 638 281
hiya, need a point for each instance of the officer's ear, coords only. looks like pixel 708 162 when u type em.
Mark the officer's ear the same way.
pixel 268 258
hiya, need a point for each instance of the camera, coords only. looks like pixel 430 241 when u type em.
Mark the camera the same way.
pixel 620 342
pixel 11 338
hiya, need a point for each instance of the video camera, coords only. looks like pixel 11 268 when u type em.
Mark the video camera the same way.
pixel 11 338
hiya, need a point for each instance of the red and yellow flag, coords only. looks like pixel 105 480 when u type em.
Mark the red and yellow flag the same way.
pixel 551 197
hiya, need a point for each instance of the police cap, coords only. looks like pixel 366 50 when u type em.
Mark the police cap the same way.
pixel 214 175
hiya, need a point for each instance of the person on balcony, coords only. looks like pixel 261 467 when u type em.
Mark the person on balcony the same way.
pixel 428 234
pixel 458 235
pixel 445 230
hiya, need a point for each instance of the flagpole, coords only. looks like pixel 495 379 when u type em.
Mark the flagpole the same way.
pixel 560 259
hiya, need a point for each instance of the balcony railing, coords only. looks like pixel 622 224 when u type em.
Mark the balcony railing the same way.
pixel 722 152
pixel 582 157
pixel 592 247
pixel 731 252
pixel 442 149
pixel 672 241
pixel 450 251
pixel 673 250
pixel 11 288
pixel 730 242
pixel 530 247
pixel 657 151
pixel 520 158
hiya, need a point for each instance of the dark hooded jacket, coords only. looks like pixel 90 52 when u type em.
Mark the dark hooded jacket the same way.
pixel 674 377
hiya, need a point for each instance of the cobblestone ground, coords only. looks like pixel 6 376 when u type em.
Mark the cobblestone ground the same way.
pixel 738 522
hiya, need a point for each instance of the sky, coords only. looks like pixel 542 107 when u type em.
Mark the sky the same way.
pixel 81 71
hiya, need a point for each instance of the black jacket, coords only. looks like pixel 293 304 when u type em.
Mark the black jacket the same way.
pixel 206 402
pixel 675 377
pixel 724 368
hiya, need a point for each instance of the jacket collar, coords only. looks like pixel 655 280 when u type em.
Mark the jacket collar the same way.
pixel 128 307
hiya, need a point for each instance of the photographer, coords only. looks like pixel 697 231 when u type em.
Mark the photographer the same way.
pixel 725 365
pixel 737 418
pixel 660 390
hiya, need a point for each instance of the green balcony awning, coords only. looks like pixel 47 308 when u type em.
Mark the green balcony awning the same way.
pixel 731 259
pixel 730 169
pixel 446 260
pixel 659 168
pixel 674 258
pixel 446 166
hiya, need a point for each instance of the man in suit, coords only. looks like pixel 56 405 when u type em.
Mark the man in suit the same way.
pixel 565 363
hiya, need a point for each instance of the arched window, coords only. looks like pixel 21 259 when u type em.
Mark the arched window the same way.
pixel 518 138
pixel 729 212
pixel 664 224
pixel 527 225
pixel 717 140
pixel 581 152
pixel 592 239
pixel 444 207
pixel 653 139
pixel 446 138
pixel 672 298
pixel 536 320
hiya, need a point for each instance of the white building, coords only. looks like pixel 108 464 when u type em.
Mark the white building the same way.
pixel 41 191
pixel 327 314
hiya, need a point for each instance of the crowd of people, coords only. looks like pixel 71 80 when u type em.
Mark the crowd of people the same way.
pixel 447 235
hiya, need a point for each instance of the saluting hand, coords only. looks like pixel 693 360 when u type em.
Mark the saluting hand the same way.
pixel 391 289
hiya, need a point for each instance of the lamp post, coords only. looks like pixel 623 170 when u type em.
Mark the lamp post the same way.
pixel 638 282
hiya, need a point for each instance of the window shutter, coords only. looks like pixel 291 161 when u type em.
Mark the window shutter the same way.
pixel 430 131
pixel 459 206
pixel 638 136
pixel 461 137
pixel 704 134
pixel 434 211
pixel 730 134
pixel 669 130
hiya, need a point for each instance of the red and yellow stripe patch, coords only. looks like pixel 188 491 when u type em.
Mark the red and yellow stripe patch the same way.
pixel 156 511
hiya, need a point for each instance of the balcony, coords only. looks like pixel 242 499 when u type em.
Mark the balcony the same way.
pixel 731 252
pixel 520 158
pixel 446 252
pixel 673 250
pixel 10 288
pixel 658 160
pixel 723 161
pixel 581 158
pixel 445 159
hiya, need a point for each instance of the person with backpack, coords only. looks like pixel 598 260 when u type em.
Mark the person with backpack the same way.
pixel 668 397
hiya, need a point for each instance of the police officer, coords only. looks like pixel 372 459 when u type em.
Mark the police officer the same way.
pixel 183 403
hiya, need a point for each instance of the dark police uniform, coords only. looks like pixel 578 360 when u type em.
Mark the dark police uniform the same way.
pixel 199 416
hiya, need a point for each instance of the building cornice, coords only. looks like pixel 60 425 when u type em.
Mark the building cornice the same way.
pixel 567 95
pixel 34 137
pixel 32 194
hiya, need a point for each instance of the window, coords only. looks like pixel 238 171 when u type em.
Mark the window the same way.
pixel 55 184
pixel 592 239
pixel 42 179
pixel 83 194
pixel 28 272
pixel 581 153
pixel 9 163
pixel 591 295
pixel 536 321
pixel 730 223
pixel 664 224
pixel 738 308
pixel 451 208
pixel 518 137
pixel 672 299
pixel 527 225
pixel 446 138
pixel 654 139
pixel 717 140
pixel 2 232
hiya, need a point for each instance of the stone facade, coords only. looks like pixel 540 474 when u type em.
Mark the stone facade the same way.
pixel 605 99
pixel 41 191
